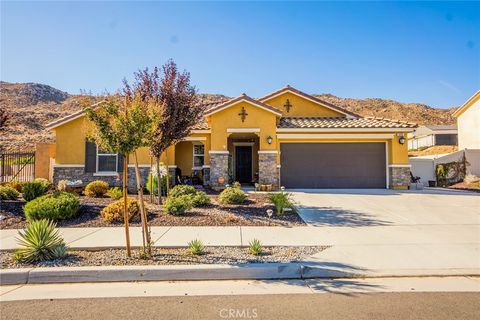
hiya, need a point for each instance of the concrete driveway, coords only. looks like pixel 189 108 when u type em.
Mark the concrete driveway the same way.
pixel 395 232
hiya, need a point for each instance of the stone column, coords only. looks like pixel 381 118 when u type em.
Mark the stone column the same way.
pixel 267 168
pixel 218 168
pixel 206 175
pixel 399 177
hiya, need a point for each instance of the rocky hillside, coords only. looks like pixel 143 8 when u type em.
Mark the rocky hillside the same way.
pixel 33 105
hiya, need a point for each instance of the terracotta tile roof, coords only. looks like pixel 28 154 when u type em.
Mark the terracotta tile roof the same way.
pixel 203 125
pixel 341 123
pixel 309 97
pixel 241 97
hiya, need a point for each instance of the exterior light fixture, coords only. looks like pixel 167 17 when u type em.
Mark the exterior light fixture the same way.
pixel 401 140
pixel 269 139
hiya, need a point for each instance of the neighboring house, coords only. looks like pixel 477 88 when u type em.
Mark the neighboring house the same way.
pixel 468 121
pixel 430 135
pixel 286 138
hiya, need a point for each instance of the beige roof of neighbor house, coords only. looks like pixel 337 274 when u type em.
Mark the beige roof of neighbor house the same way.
pixel 467 104
pixel 342 123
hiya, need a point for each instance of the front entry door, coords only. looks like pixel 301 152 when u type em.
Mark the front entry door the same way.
pixel 243 164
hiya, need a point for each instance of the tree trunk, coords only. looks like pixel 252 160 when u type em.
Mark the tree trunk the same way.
pixel 151 180
pixel 143 212
pixel 159 182
pixel 125 206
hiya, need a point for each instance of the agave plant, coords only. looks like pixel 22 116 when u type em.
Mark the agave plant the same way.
pixel 196 248
pixel 40 241
pixel 255 247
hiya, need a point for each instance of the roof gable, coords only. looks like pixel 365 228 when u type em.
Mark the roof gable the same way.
pixel 303 95
pixel 242 98
pixel 470 102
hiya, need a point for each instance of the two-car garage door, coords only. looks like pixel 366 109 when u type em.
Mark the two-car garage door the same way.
pixel 333 165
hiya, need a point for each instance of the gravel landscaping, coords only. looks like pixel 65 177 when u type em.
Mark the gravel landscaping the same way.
pixel 171 256
pixel 250 213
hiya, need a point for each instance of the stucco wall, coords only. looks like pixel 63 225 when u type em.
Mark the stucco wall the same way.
pixel 301 107
pixel 469 127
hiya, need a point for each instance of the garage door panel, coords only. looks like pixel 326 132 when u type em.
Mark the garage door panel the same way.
pixel 333 165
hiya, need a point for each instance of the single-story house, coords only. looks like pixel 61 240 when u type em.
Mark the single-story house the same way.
pixel 286 138
pixel 468 122
pixel 433 135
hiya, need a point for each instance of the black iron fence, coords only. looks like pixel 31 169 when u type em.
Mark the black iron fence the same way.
pixel 19 166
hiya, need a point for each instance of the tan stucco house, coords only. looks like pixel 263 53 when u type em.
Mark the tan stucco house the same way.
pixel 286 138
pixel 468 122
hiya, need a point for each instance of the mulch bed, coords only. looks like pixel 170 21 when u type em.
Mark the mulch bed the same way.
pixel 170 256
pixel 466 186
pixel 250 213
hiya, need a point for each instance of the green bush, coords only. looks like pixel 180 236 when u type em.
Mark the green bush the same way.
pixel 55 206
pixel 8 193
pixel 114 211
pixel 17 185
pixel 181 190
pixel 115 193
pixel 200 199
pixel 255 247
pixel 195 247
pixel 281 201
pixel 232 196
pixel 237 184
pixel 96 189
pixel 152 183
pixel 46 184
pixel 34 189
pixel 40 241
pixel 177 205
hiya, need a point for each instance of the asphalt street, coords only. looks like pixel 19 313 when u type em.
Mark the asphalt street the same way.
pixel 402 306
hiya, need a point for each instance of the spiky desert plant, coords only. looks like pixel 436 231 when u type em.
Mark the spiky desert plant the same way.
pixel 255 247
pixel 196 248
pixel 40 241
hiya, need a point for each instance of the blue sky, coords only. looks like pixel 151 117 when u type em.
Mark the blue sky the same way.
pixel 426 52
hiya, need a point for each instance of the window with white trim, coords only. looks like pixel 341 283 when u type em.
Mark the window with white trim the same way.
pixel 198 155
pixel 106 162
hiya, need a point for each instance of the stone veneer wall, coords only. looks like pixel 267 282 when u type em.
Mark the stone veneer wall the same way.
pixel 399 177
pixel 267 169
pixel 218 169
pixel 78 173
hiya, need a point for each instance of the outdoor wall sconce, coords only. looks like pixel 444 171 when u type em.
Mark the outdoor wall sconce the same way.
pixel 269 139
pixel 401 140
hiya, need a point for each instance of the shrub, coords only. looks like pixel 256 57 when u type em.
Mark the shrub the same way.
pixel 54 206
pixel 96 189
pixel 237 184
pixel 255 247
pixel 195 247
pixel 62 185
pixel 181 190
pixel 200 199
pixel 34 189
pixel 232 195
pixel 115 193
pixel 40 242
pixel 177 205
pixel 114 211
pixel 8 193
pixel 46 184
pixel 281 201
pixel 154 181
pixel 17 185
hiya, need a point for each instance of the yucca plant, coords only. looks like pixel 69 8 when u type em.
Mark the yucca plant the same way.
pixel 255 247
pixel 281 201
pixel 40 241
pixel 196 248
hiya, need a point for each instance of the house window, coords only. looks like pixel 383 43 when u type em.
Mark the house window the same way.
pixel 106 162
pixel 198 155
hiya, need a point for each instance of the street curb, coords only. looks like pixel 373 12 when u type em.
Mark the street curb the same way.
pixel 254 271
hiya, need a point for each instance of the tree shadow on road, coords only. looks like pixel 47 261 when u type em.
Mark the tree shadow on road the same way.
pixel 338 217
